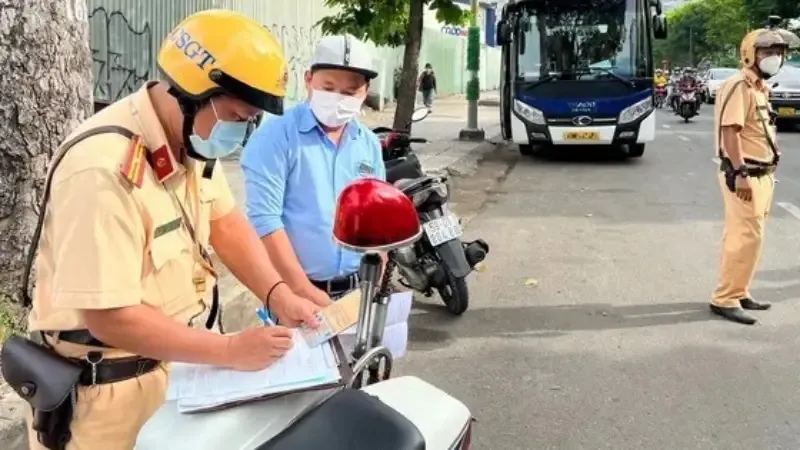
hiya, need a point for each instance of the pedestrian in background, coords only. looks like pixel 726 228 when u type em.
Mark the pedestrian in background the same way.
pixel 746 147
pixel 427 85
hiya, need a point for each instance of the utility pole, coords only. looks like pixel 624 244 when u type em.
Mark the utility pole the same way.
pixel 472 132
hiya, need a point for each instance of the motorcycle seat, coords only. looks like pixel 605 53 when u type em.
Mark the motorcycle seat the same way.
pixel 394 162
pixel 349 420
pixel 411 185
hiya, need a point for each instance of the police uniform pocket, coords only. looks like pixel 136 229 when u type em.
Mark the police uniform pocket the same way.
pixel 173 262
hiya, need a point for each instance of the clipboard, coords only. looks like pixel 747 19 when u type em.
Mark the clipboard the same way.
pixel 345 372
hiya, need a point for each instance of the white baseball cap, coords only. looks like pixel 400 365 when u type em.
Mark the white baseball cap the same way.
pixel 343 52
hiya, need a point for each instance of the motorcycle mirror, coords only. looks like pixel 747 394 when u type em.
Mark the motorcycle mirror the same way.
pixel 660 27
pixel 419 114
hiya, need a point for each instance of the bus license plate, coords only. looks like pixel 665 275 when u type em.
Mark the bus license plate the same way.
pixel 443 229
pixel 786 111
pixel 581 136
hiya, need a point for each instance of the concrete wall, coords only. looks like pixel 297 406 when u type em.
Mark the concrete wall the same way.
pixel 126 35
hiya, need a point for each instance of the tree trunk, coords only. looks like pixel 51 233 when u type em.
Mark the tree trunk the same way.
pixel 408 80
pixel 45 92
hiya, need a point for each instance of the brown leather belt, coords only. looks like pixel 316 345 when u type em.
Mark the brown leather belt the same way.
pixel 760 171
pixel 104 371
pixel 97 369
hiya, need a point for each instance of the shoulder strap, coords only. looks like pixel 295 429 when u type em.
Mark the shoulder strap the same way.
pixel 776 155
pixel 722 114
pixel 57 158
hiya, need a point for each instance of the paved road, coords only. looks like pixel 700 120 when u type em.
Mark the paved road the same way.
pixel 615 347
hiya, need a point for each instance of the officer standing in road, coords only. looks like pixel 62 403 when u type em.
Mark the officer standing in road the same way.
pixel 122 265
pixel 745 139
pixel 296 165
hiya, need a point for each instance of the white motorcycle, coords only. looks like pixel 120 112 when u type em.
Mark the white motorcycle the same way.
pixel 370 411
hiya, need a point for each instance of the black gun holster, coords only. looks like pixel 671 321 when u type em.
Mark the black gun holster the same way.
pixel 726 166
pixel 48 382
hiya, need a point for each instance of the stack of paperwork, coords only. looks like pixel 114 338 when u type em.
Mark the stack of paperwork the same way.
pixel 197 387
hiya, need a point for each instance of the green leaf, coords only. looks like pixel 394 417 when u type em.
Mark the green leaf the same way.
pixel 384 21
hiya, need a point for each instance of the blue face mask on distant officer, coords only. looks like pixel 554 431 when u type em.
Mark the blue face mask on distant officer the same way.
pixel 225 138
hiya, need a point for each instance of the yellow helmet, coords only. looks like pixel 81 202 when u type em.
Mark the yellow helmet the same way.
pixel 223 52
pixel 761 38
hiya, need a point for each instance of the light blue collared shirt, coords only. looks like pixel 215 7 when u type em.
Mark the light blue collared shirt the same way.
pixel 293 175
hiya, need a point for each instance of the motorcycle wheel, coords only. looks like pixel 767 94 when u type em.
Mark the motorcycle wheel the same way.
pixel 455 294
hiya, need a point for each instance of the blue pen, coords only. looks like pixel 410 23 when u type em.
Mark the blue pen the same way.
pixel 262 314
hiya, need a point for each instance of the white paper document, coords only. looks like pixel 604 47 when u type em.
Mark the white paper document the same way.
pixel 198 387
pixel 395 335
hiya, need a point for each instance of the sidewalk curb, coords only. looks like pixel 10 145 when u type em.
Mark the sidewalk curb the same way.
pixel 465 163
pixel 489 102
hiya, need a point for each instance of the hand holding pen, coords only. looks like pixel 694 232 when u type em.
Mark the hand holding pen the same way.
pixel 258 347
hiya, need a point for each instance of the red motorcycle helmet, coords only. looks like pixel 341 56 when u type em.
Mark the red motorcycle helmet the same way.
pixel 373 215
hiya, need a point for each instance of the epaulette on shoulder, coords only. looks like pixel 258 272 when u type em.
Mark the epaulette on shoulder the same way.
pixel 135 163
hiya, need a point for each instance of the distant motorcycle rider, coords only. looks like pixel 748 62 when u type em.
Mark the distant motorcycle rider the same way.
pixel 687 81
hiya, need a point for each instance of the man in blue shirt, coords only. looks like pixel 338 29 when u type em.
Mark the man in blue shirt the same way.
pixel 296 165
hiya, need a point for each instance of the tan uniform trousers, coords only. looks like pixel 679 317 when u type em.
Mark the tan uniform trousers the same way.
pixel 109 416
pixel 742 240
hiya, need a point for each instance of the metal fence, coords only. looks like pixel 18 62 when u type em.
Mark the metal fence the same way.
pixel 125 36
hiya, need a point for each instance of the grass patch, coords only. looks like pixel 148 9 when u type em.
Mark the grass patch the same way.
pixel 11 319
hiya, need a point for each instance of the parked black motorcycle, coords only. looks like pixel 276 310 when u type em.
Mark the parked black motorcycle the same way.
pixel 439 260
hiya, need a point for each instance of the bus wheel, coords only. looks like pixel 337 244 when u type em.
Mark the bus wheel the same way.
pixel 527 150
pixel 635 150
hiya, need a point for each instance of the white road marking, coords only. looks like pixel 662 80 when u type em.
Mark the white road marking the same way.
pixel 683 138
pixel 791 209
pixel 665 126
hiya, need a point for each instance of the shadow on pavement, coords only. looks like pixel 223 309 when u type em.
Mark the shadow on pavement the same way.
pixel 582 154
pixel 437 326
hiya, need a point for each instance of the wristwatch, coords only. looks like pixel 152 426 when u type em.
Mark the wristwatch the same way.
pixel 741 172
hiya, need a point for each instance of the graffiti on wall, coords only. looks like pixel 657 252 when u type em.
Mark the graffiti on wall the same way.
pixel 122 54
pixel 298 47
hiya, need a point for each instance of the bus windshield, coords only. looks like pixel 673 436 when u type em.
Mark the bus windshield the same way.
pixel 582 39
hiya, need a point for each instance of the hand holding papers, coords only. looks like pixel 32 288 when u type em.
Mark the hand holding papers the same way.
pixel 340 319
pixel 199 388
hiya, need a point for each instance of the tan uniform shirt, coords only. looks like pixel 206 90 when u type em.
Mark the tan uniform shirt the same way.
pixel 742 111
pixel 108 243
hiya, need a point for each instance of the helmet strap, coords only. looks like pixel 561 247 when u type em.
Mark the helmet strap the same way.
pixel 189 109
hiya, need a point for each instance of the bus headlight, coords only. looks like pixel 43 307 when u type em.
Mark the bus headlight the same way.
pixel 529 112
pixel 636 110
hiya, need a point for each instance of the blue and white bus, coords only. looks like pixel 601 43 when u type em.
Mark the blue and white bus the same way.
pixel 578 72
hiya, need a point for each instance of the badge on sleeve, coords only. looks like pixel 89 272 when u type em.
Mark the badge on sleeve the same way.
pixel 364 169
pixel 135 163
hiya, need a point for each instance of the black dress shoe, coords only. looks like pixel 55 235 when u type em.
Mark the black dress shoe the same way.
pixel 733 314
pixel 749 303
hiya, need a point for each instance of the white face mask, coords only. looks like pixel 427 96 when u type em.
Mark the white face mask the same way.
pixel 333 109
pixel 770 65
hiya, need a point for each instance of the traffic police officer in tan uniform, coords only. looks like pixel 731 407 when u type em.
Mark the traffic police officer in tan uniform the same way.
pixel 745 139
pixel 122 266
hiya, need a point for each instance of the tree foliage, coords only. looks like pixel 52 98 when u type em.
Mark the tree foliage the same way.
pixel 384 22
pixel 715 28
